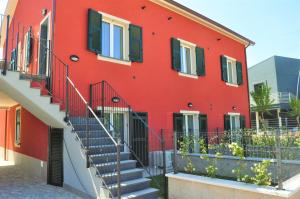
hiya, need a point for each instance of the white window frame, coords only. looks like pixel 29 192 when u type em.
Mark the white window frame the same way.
pixel 233 72
pixel 112 20
pixel 47 17
pixel 25 68
pixel 19 60
pixel 18 140
pixel 237 120
pixel 192 47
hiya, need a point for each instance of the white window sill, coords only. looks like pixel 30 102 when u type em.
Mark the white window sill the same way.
pixel 117 61
pixel 18 145
pixel 231 84
pixel 188 75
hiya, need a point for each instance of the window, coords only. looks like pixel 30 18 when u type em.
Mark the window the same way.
pixel 18 127
pixel 187 57
pixel 231 71
pixel 190 124
pixel 112 40
pixel 234 122
pixel 114 120
pixel 258 86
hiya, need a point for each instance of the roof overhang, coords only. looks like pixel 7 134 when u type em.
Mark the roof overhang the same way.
pixel 203 20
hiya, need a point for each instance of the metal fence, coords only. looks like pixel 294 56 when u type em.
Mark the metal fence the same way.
pixel 280 146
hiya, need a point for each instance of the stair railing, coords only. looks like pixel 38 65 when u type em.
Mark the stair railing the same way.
pixel 54 80
pixel 113 110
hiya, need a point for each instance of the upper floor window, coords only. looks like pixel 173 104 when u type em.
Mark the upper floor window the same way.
pixel 232 71
pixel 258 86
pixel 114 38
pixel 187 58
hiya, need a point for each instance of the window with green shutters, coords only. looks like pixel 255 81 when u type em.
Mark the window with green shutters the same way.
pixel 13 61
pixel 232 70
pixel 114 39
pixel 28 47
pixel 135 43
pixel 234 121
pixel 242 121
pixel 187 58
pixel 94 31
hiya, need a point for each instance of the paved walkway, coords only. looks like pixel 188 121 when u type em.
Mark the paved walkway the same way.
pixel 14 184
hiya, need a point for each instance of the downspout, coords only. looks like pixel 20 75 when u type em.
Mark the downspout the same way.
pixel 249 108
pixel 5 135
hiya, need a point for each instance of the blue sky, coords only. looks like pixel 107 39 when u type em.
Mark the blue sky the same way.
pixel 273 24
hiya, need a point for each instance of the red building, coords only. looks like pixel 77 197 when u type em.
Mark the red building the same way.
pixel 164 66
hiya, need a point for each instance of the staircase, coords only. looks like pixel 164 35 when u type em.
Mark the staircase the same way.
pixel 102 154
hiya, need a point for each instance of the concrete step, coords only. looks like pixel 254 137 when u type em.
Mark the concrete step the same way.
pixel 131 186
pixel 112 166
pixel 149 193
pixel 102 149
pixel 109 157
pixel 82 120
pixel 96 141
pixel 130 174
pixel 83 126
pixel 92 133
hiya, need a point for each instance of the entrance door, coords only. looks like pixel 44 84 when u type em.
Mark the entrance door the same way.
pixel 139 137
pixel 55 160
pixel 44 44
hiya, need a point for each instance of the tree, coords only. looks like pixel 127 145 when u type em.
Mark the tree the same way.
pixel 263 102
pixel 295 109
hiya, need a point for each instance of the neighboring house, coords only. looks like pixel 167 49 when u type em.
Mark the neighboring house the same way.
pixel 282 75
pixel 178 71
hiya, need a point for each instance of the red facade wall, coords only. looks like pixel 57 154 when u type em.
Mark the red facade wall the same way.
pixel 34 134
pixel 152 86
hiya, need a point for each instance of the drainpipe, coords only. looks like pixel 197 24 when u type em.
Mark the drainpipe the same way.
pixel 248 83
pixel 5 135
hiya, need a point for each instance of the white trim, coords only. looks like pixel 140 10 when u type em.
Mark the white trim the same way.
pixel 113 18
pixel 233 114
pixel 189 112
pixel 231 84
pixel 19 108
pixel 231 58
pixel 47 17
pixel 188 75
pixel 113 60
pixel 232 185
pixel 114 109
pixel 186 43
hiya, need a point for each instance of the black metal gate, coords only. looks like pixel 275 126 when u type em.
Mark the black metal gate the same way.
pixel 139 137
pixel 55 160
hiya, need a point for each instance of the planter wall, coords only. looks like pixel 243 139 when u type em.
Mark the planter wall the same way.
pixel 198 187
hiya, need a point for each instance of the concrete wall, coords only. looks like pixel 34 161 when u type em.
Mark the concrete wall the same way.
pixel 226 164
pixel 264 71
pixel 197 187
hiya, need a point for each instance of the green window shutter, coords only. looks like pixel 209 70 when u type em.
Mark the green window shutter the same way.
pixel 242 122
pixel 13 60
pixel 176 59
pixel 178 122
pixel 239 73
pixel 224 68
pixel 29 47
pixel 200 61
pixel 94 31
pixel 135 43
pixel 203 129
pixel 227 122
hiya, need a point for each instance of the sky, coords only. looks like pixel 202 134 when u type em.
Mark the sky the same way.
pixel 274 25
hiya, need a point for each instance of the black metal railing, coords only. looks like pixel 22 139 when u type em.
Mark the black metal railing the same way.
pixel 103 152
pixel 146 145
pixel 53 79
